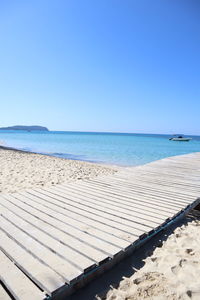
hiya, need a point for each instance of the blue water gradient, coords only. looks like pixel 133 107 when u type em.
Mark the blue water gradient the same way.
pixel 110 148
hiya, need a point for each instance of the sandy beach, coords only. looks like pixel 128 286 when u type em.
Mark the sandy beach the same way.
pixel 172 272
pixel 23 170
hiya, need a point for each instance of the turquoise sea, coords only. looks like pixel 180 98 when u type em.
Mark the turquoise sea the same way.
pixel 110 148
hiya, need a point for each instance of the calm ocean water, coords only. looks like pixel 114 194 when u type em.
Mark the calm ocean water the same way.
pixel 111 148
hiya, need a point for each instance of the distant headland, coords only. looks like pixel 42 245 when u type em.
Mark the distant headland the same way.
pixel 27 128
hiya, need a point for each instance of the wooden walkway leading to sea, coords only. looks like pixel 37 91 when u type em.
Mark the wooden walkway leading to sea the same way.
pixel 53 240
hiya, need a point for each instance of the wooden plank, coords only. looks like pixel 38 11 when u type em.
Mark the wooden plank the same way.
pixel 153 193
pixel 57 233
pixel 58 220
pixel 176 166
pixel 168 181
pixel 95 215
pixel 182 185
pixel 180 193
pixel 165 205
pixel 163 175
pixel 79 261
pixel 43 276
pixel 136 184
pixel 19 285
pixel 101 227
pixel 150 173
pixel 156 172
pixel 152 190
pixel 3 294
pixel 63 268
pixel 175 181
pixel 93 197
pixel 178 186
pixel 116 200
pixel 100 209
pixel 166 170
pixel 115 197
pixel 157 189
pixel 169 163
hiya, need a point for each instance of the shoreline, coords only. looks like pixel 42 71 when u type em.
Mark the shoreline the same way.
pixel 22 170
pixel 117 152
pixel 109 165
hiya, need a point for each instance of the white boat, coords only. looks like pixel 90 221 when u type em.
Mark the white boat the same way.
pixel 180 138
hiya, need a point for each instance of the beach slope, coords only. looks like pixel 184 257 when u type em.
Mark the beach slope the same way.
pixel 23 170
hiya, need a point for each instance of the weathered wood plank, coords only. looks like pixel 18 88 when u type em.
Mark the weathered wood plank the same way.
pixel 81 262
pixel 113 221
pixel 156 180
pixel 58 220
pixel 112 194
pixel 91 196
pixel 54 230
pixel 155 193
pixel 166 205
pixel 101 209
pixel 64 269
pixel 19 285
pixel 153 190
pixel 3 294
pixel 42 275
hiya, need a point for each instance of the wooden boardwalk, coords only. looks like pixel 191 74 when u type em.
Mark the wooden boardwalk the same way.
pixel 53 240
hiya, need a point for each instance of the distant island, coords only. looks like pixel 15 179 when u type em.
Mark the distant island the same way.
pixel 27 128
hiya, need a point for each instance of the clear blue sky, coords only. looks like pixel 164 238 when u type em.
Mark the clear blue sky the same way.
pixel 107 65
